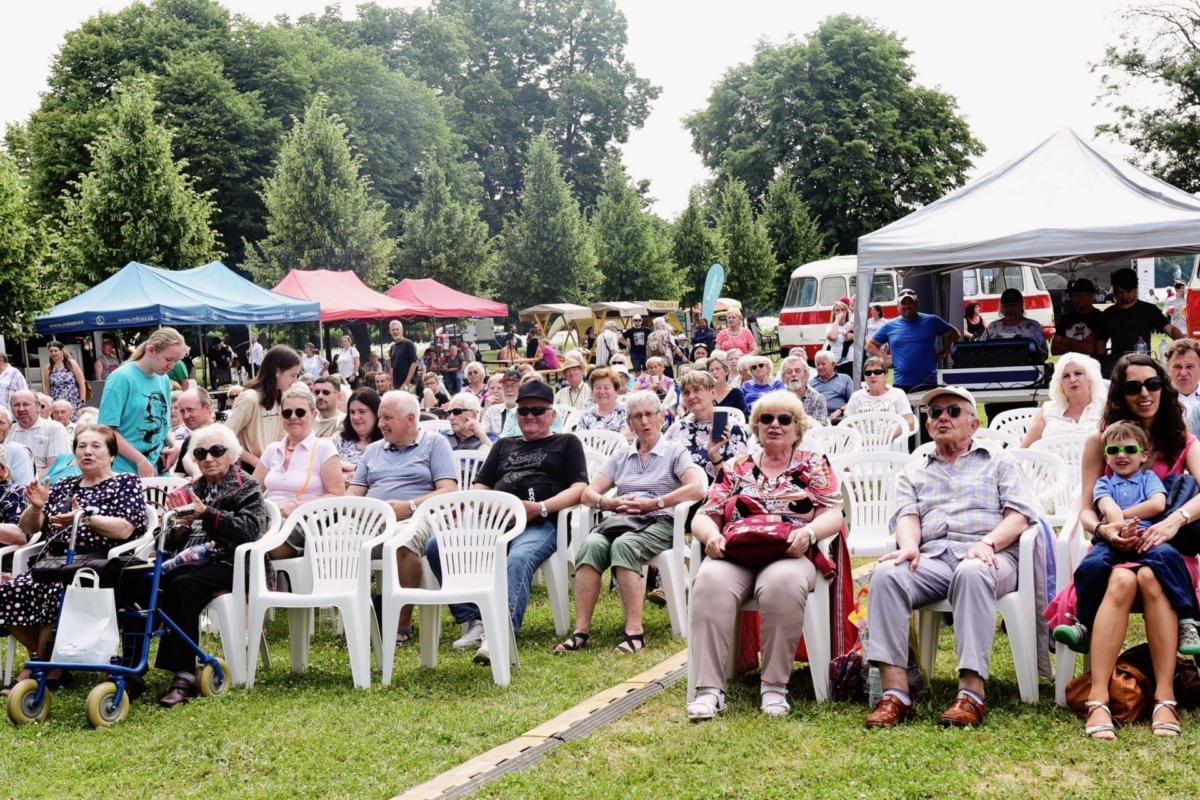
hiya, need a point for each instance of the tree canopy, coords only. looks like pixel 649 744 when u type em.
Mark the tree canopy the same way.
pixel 750 265
pixel 633 253
pixel 23 283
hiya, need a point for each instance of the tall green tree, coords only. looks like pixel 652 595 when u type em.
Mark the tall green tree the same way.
pixel 695 246
pixel 24 283
pixel 1159 49
pixel 795 236
pixel 136 204
pixel 445 238
pixel 841 109
pixel 750 265
pixel 321 210
pixel 632 253
pixel 548 254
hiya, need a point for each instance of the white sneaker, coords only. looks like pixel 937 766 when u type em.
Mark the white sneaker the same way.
pixel 707 705
pixel 472 635
pixel 483 656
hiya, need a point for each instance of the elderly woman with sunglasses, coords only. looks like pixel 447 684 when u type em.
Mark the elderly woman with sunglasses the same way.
pixel 299 467
pixel 466 429
pixel 785 479
pixel 1139 393
pixel 878 396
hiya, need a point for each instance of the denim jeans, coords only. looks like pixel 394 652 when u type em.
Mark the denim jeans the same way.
pixel 1091 578
pixel 525 554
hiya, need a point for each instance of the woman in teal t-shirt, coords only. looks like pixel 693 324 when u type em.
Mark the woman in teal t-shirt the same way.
pixel 137 403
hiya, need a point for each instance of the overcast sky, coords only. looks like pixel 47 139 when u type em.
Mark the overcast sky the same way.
pixel 1020 70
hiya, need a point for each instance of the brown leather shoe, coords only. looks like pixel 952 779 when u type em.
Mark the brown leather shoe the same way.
pixel 180 691
pixel 964 712
pixel 889 712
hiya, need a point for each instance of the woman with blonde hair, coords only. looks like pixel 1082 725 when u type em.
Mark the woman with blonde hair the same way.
pixel 839 337
pixel 1077 397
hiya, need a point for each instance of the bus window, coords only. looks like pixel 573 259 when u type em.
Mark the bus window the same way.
pixel 883 288
pixel 833 288
pixel 1014 278
pixel 970 283
pixel 802 292
pixel 989 280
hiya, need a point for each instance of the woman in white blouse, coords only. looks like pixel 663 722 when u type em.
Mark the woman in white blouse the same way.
pixel 1076 401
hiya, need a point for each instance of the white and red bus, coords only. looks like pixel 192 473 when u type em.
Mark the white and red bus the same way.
pixel 816 286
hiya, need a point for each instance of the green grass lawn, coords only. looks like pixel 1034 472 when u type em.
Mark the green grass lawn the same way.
pixel 313 735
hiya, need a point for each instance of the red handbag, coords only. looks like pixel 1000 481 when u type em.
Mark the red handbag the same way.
pixel 757 540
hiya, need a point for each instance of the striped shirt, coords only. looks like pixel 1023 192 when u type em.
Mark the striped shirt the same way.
pixel 659 473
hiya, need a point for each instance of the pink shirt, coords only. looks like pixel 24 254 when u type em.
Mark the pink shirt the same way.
pixel 301 481
pixel 743 341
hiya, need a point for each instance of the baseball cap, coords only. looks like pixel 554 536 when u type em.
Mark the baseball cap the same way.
pixel 1011 296
pixel 511 375
pixel 940 391
pixel 906 293
pixel 1125 278
pixel 535 390
pixel 1083 285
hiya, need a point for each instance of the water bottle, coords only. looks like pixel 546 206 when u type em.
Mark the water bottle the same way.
pixel 1141 348
pixel 189 556
pixel 874 686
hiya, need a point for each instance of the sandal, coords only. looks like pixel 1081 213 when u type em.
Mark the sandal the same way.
pixel 23 675
pixel 775 703
pixel 633 643
pixel 708 704
pixel 1094 731
pixel 1165 728
pixel 576 641
pixel 404 636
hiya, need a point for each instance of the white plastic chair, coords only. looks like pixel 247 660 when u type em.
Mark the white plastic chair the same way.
pixel 438 426
pixel 469 462
pixel 1071 547
pixel 1020 621
pixel 735 415
pixel 818 639
pixel 602 441
pixel 473 530
pixel 881 430
pixel 834 440
pixel 1068 447
pixel 995 445
pixel 1005 440
pixel 338 536
pixel 868 481
pixel 1046 473
pixel 567 416
pixel 156 490
pixel 1015 422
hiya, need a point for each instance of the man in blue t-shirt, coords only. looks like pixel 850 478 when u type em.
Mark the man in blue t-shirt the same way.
pixel 912 341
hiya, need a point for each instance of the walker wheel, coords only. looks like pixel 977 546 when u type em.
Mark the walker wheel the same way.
pixel 102 712
pixel 21 707
pixel 210 684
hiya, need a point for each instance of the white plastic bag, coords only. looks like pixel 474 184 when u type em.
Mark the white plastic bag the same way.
pixel 87 628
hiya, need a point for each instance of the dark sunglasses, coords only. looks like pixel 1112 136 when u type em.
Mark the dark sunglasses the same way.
pixel 216 451
pixel 1154 384
pixel 299 412
pixel 536 411
pixel 768 418
pixel 954 411
pixel 1127 449
pixel 873 371
pixel 454 412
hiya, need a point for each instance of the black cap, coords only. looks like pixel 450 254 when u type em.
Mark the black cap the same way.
pixel 1083 285
pixel 1011 296
pixel 1125 278
pixel 535 389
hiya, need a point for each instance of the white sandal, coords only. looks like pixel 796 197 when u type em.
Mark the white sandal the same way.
pixel 775 703
pixel 1164 728
pixel 708 703
pixel 1105 727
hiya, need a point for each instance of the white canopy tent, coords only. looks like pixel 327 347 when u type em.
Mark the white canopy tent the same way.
pixel 1063 205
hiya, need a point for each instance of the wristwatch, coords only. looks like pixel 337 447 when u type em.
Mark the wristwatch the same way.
pixel 545 511
pixel 1186 516
pixel 412 506
pixel 989 541
pixel 661 503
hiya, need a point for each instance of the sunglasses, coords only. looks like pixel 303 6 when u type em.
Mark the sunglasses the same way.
pixel 953 411
pixel 783 419
pixel 873 371
pixel 216 451
pixel 454 412
pixel 1127 449
pixel 760 366
pixel 534 411
pixel 299 412
pixel 1154 384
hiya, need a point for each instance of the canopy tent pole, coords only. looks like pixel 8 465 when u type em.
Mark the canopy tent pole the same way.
pixel 204 360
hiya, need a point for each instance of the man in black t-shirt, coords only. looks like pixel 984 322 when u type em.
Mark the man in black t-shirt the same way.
pixel 1084 329
pixel 548 472
pixel 636 337
pixel 404 358
pixel 1132 323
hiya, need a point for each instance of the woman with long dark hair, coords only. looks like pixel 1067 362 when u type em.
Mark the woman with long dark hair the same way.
pixel 63 377
pixel 255 417
pixel 973 326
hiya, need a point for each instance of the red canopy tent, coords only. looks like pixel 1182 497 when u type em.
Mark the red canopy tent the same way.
pixel 344 297
pixel 443 301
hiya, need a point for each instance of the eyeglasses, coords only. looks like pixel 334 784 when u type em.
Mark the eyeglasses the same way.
pixel 299 412
pixel 536 411
pixel 1154 384
pixel 454 412
pixel 216 451
pixel 642 415
pixel 783 419
pixel 870 372
pixel 954 412
pixel 1127 449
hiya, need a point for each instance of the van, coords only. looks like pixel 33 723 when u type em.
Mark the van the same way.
pixel 816 286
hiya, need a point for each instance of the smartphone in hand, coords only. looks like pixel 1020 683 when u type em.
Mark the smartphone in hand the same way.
pixel 719 424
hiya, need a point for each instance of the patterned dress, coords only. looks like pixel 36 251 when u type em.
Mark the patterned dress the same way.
pixel 696 436
pixel 12 502
pixel 64 387
pixel 616 420
pixel 24 603
pixel 348 450
pixel 808 482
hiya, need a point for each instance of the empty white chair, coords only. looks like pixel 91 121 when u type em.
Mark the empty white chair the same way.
pixel 834 440
pixel 604 442
pixel 435 425
pixel 1047 475
pixel 735 415
pixel 338 536
pixel 881 430
pixel 473 530
pixel 1005 440
pixel 1015 422
pixel 469 462
pixel 868 482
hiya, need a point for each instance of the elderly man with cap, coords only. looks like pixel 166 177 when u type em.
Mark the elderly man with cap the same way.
pixel 1083 329
pixel 1013 324
pixel 576 393
pixel 1131 322
pixel 912 341
pixel 960 513
pixel 11 380
pixel 548 472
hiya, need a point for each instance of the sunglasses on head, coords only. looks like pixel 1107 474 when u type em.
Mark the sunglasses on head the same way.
pixel 216 451
pixel 873 371
pixel 536 411
pixel 299 412
pixel 1127 449
pixel 783 419
pixel 954 411
pixel 1154 384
